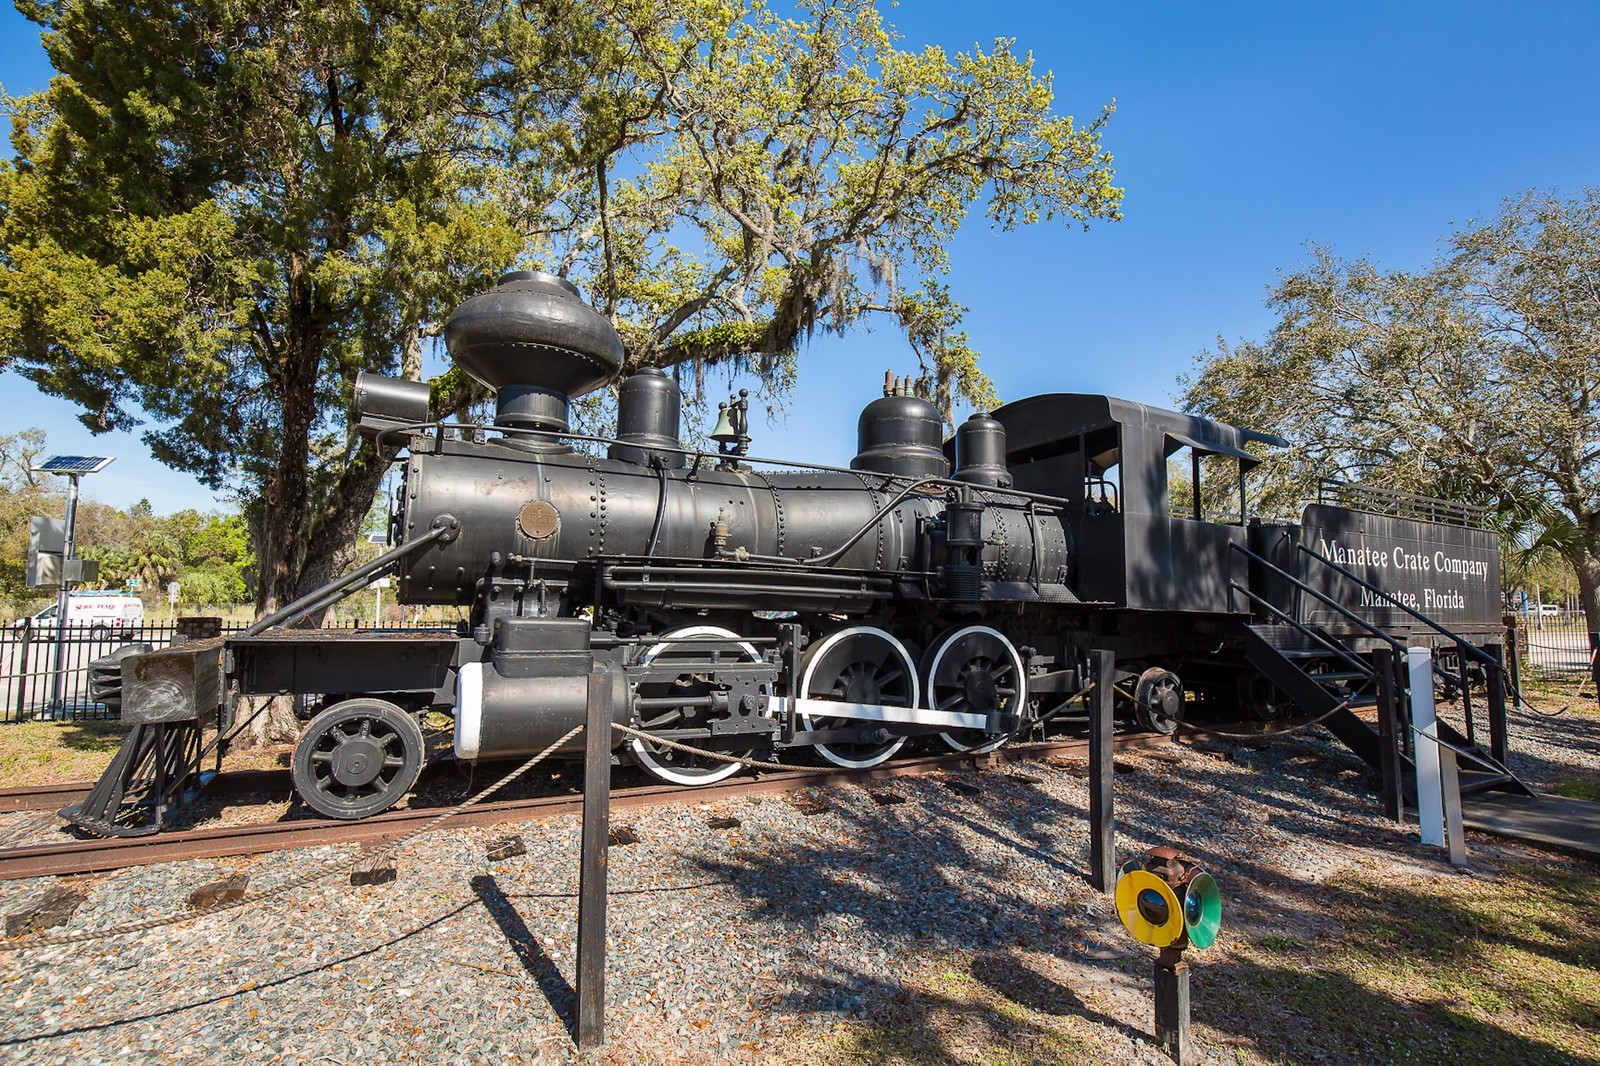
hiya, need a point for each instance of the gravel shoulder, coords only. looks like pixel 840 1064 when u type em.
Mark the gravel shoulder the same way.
pixel 945 927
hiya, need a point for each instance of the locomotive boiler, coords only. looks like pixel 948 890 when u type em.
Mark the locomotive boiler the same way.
pixel 934 591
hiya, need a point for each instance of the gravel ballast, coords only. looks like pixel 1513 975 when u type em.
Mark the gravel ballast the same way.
pixel 744 942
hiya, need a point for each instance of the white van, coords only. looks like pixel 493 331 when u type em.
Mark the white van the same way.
pixel 101 613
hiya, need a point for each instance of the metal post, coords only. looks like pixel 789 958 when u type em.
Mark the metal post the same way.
pixel 22 673
pixel 1102 819
pixel 1172 1009
pixel 1497 704
pixel 1514 654
pixel 1455 837
pixel 592 871
pixel 1424 725
pixel 65 593
pixel 1388 734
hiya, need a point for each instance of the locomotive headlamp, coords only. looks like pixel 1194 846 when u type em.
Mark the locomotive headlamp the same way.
pixel 1166 900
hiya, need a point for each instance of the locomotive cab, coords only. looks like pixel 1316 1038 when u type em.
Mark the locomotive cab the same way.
pixel 1156 498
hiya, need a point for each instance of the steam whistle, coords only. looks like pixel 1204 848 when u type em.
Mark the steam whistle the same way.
pixel 1167 901
pixel 732 432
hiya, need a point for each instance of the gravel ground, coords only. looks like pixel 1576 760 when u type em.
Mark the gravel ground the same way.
pixel 725 944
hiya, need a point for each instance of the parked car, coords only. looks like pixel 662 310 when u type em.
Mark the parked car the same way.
pixel 103 613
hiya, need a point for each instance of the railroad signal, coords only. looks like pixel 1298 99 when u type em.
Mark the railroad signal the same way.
pixel 1165 900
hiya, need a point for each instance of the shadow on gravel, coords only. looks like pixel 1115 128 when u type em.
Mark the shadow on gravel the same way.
pixel 1018 982
pixel 563 999
pixel 250 988
pixel 1322 965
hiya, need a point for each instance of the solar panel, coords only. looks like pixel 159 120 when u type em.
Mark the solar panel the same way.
pixel 75 464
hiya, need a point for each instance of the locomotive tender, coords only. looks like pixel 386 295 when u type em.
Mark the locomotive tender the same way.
pixel 942 591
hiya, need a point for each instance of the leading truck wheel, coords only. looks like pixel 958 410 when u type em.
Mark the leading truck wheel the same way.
pixel 357 758
pixel 1158 701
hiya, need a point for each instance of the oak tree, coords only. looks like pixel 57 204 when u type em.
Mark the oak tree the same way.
pixel 1476 378
pixel 218 213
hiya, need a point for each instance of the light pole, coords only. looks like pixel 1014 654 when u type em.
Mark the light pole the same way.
pixel 72 467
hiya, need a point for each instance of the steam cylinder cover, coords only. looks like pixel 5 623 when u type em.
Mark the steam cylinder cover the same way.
pixel 648 405
pixel 901 435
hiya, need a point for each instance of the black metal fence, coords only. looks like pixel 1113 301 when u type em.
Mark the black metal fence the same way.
pixel 41 679
pixel 1554 645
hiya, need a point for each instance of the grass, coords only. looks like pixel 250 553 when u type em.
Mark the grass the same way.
pixel 62 753
pixel 56 753
pixel 989 1011
pixel 1577 788
pixel 1449 968
pixel 1385 967
pixel 1575 692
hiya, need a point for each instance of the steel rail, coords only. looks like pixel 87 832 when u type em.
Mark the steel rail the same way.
pixel 99 855
pixel 231 783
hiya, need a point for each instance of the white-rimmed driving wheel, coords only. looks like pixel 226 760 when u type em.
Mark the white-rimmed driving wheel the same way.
pixel 666 764
pixel 975 670
pixel 860 664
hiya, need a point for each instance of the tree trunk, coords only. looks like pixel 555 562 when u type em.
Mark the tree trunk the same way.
pixel 332 545
pixel 1586 564
pixel 276 724
pixel 286 500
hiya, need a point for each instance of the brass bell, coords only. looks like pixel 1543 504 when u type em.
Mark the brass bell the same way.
pixel 724 433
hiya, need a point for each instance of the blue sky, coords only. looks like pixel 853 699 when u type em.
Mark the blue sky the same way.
pixel 1243 131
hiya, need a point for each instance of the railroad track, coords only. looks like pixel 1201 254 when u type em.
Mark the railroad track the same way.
pixel 54 797
pixel 98 855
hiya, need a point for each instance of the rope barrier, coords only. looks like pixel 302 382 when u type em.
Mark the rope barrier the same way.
pixel 673 745
pixel 1268 735
pixel 330 870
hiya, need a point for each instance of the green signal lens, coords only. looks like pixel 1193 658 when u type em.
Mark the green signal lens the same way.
pixel 1202 910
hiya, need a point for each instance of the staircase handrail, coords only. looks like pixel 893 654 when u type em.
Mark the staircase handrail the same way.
pixel 1372 628
pixel 1321 638
pixel 1375 630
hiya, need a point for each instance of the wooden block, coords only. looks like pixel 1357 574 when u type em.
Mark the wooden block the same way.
pixel 53 909
pixel 885 797
pixel 621 836
pixel 964 788
pixel 228 890
pixel 507 848
pixel 176 684
pixel 377 868
pixel 809 807
pixel 716 822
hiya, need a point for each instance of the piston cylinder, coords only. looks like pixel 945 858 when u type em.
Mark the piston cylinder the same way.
pixel 533 688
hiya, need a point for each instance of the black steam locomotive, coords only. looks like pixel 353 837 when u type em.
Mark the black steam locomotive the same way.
pixel 945 592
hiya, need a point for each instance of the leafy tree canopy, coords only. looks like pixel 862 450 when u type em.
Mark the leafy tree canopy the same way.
pixel 1476 378
pixel 217 214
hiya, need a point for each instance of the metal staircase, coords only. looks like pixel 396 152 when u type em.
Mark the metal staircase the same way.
pixel 1328 681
